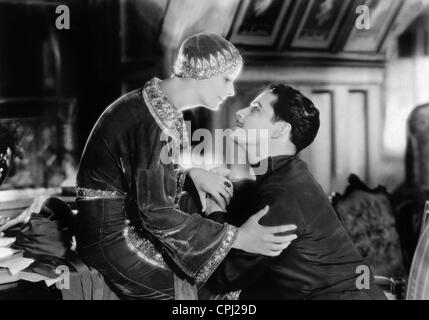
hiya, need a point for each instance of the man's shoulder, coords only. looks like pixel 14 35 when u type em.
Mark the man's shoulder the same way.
pixel 298 179
pixel 296 189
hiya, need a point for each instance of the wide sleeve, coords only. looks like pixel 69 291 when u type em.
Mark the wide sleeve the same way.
pixel 241 269
pixel 183 182
pixel 195 245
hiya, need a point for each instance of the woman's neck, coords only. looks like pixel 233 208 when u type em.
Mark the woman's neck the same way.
pixel 179 92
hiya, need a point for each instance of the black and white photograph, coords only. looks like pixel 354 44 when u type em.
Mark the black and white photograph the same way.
pixel 231 151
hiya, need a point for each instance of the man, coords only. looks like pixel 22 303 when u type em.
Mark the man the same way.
pixel 322 263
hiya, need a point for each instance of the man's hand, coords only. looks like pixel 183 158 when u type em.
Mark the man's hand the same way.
pixel 218 187
pixel 254 238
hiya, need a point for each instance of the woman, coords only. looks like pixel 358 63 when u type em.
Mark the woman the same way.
pixel 129 224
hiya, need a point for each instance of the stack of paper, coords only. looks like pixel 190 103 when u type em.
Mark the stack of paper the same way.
pixel 12 264
pixel 6 242
pixel 16 265
pixel 7 254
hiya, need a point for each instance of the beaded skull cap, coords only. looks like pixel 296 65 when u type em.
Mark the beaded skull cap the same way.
pixel 206 55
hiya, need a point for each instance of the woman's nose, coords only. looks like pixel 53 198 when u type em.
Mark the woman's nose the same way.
pixel 230 92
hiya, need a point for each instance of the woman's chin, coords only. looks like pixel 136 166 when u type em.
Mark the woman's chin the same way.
pixel 212 107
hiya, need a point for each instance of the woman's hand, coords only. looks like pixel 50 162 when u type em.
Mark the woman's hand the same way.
pixel 218 187
pixel 212 206
pixel 224 172
pixel 254 238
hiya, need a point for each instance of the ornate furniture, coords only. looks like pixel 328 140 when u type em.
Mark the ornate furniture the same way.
pixel 368 216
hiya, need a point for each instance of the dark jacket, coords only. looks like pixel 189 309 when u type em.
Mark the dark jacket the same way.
pixel 321 264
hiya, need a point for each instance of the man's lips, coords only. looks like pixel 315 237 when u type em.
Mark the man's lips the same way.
pixel 239 124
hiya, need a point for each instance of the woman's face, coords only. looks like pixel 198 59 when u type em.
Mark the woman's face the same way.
pixel 214 91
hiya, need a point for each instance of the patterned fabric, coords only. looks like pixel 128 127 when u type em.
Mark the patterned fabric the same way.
pixel 203 56
pixel 234 295
pixel 201 69
pixel 144 248
pixel 368 217
pixel 86 193
pixel 181 175
pixel 220 254
pixel 167 116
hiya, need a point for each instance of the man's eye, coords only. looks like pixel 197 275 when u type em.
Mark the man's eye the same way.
pixel 255 109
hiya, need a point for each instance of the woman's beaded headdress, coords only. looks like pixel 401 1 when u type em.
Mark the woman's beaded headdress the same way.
pixel 204 55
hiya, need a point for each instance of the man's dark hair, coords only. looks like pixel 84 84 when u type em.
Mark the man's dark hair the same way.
pixel 297 110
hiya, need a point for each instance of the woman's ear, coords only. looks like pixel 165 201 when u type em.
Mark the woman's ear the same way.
pixel 281 129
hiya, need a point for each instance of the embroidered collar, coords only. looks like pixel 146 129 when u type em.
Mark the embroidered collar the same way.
pixel 167 116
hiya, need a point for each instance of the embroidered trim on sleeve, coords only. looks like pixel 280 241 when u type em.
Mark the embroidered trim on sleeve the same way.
pixel 218 256
pixel 89 194
pixel 181 177
pixel 234 295
pixel 144 248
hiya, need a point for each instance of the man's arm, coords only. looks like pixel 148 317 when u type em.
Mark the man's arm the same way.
pixel 240 269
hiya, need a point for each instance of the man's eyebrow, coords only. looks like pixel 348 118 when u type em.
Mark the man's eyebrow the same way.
pixel 257 103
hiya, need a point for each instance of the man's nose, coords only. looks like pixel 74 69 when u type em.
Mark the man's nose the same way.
pixel 241 114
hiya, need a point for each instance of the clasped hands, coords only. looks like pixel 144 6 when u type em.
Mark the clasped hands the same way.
pixel 215 190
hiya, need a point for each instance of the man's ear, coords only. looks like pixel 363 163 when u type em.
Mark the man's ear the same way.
pixel 281 128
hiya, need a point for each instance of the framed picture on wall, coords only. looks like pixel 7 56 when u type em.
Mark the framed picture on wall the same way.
pixel 382 14
pixel 259 22
pixel 321 20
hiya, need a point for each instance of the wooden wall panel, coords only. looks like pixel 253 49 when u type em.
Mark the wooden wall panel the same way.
pixel 357 146
pixel 320 156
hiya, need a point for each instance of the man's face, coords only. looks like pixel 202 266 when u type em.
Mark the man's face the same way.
pixel 254 124
pixel 214 91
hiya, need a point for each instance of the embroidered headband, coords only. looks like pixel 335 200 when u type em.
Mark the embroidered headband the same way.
pixel 204 56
